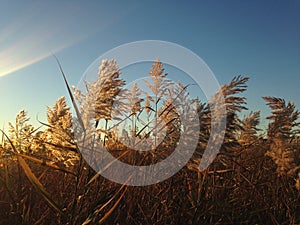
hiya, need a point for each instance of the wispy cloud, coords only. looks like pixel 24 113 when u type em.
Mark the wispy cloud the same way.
pixel 42 29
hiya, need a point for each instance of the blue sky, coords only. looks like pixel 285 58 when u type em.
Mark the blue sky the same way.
pixel 259 39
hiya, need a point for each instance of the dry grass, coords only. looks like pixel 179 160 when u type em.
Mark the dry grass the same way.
pixel 254 179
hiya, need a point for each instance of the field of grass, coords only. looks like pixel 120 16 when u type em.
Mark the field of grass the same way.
pixel 255 178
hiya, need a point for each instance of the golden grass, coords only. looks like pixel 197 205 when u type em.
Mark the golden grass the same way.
pixel 254 179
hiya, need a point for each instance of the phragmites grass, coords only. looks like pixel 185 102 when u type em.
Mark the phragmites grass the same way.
pixel 281 132
pixel 59 137
pixel 254 178
pixel 225 106
pixel 21 133
pixel 249 132
pixel 97 102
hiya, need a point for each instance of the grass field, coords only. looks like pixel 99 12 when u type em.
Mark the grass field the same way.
pixel 255 178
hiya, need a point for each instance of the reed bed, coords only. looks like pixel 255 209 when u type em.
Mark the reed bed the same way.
pixel 255 178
